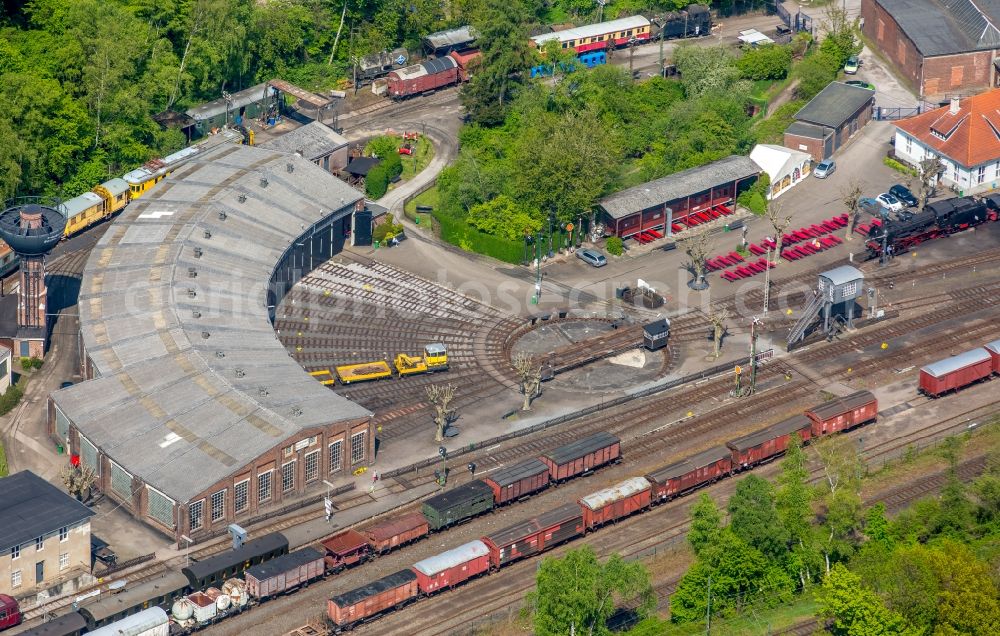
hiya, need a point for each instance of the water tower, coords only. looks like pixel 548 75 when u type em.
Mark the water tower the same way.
pixel 31 226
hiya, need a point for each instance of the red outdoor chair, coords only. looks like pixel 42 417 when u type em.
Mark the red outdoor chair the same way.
pixel 757 250
pixel 737 257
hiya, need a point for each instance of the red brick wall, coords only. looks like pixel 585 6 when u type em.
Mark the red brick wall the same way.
pixel 813 146
pixel 966 73
pixel 881 28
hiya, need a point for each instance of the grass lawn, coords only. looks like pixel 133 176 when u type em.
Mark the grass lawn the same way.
pixel 753 623
pixel 423 152
pixel 428 197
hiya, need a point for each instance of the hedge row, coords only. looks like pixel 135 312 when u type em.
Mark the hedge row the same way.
pixel 458 232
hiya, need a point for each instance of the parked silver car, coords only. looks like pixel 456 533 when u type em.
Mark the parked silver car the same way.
pixel 592 257
pixel 825 168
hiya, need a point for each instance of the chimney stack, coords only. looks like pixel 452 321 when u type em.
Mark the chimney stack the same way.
pixel 955 106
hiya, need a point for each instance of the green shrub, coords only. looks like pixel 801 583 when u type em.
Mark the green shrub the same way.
pixel 457 232
pixel 383 147
pixel 614 246
pixel 3 462
pixel 898 166
pixel 36 363
pixel 377 182
pixel 393 166
pixel 11 397
pixel 26 363
pixel 770 62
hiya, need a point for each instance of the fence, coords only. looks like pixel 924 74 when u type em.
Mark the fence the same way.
pixel 891 114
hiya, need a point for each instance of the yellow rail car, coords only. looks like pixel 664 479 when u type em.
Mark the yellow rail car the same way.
pixel 324 376
pixel 435 358
pixel 152 172
pixel 409 365
pixel 363 372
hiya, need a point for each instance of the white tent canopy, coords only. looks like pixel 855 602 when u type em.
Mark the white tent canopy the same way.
pixel 784 166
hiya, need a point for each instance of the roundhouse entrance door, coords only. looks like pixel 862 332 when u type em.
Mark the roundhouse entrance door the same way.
pixel 39 572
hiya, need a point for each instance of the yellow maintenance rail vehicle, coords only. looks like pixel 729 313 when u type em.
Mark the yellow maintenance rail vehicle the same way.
pixel 363 372
pixel 435 358
pixel 324 376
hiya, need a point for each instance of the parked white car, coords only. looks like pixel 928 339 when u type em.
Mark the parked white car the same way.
pixel 889 202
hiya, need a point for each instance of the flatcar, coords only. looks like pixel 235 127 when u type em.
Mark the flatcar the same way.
pixel 160 591
pixel 213 571
pixel 72 624
pixel 904 231
pixel 602 36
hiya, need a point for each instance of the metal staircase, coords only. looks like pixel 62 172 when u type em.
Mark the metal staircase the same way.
pixel 798 331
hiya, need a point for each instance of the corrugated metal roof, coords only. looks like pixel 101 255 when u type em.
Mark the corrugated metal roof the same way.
pixel 31 507
pixel 581 447
pixel 78 204
pixel 946 27
pixel 843 274
pixel 284 563
pixel 678 185
pixel 593 30
pixel 994 347
pixel 451 38
pixel 835 104
pixel 243 98
pixel 517 472
pixel 313 140
pixel 954 363
pixel 397 525
pixel 374 588
pixel 794 423
pixel 625 489
pixel 842 405
pixel 136 624
pixel 179 410
pixel 457 556
pixel 466 492
pixel 116 186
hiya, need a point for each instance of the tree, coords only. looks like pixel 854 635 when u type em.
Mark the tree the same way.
pixel 78 479
pixel 503 217
pixel 855 609
pixel 718 320
pixel 505 55
pixel 793 504
pixel 815 73
pixel 577 593
pixel 968 601
pixel 779 223
pixel 754 519
pixel 771 62
pixel 696 246
pixel 928 171
pixel 706 523
pixel 441 397
pixel 840 515
pixel 530 376
pixel 841 39
pixel 707 70
pixel 877 526
pixel 851 195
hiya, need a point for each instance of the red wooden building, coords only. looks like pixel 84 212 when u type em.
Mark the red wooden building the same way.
pixel 677 201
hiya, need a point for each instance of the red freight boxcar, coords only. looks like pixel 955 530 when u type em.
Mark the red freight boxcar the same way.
pixel 393 533
pixel 345 548
pixel 519 480
pixel 582 456
pixel 994 350
pixel 450 568
pixel 617 502
pixel 10 612
pixel 370 600
pixel 956 372
pixel 768 443
pixel 284 573
pixel 423 77
pixel 535 535
pixel 693 472
pixel 843 413
pixel 465 59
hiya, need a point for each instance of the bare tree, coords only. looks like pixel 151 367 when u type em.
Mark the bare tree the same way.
pixel 718 320
pixel 850 195
pixel 696 247
pixel 78 479
pixel 529 373
pixel 927 174
pixel 336 40
pixel 779 223
pixel 441 397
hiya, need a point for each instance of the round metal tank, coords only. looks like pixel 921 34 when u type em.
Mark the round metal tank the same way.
pixel 182 609
pixel 236 590
pixel 222 600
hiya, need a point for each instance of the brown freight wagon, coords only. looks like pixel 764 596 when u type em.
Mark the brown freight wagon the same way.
pixel 450 568
pixel 393 533
pixel 582 456
pixel 520 480
pixel 693 472
pixel 768 443
pixel 843 413
pixel 956 372
pixel 994 350
pixel 371 600
pixel 424 77
pixel 535 535
pixel 344 549
pixel 285 573
pixel 617 502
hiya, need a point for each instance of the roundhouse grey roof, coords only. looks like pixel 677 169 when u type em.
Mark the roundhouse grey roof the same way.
pixel 678 185
pixel 945 27
pixel 189 389
pixel 313 141
pixel 954 363
pixel 843 274
pixel 31 507
pixel 835 104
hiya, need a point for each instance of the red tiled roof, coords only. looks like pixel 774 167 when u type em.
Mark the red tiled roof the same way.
pixel 972 134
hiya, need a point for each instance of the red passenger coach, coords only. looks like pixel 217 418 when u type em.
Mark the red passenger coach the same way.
pixel 582 456
pixel 450 568
pixel 598 37
pixel 689 474
pixel 393 533
pixel 843 413
pixel 520 480
pixel 956 372
pixel 617 502
pixel 766 444
pixel 535 535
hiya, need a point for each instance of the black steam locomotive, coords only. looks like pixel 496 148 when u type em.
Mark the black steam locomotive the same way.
pixel 693 22
pixel 903 230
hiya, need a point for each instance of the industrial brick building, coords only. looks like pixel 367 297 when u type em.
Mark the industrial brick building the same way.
pixel 940 47
pixel 193 414
pixel 830 119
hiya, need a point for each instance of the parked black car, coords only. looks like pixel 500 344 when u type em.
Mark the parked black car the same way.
pixel 903 193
